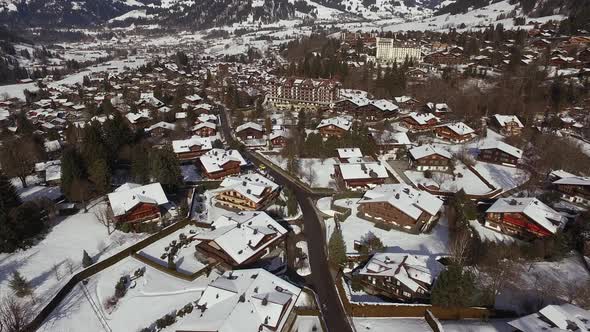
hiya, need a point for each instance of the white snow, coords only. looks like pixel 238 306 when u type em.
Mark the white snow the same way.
pixel 433 244
pixel 185 260
pixel 47 264
pixel 154 295
pixel 305 269
pixel 386 324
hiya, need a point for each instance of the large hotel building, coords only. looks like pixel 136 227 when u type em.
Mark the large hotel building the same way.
pixel 309 94
pixel 391 50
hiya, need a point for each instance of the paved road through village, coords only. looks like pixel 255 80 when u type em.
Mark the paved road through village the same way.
pixel 331 306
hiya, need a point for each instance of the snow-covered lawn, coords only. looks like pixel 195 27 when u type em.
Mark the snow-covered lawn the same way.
pixel 434 244
pixel 471 325
pixel 487 234
pixel 305 269
pixel 324 205
pixel 148 298
pixel 50 263
pixel 379 324
pixel 500 176
pixel 462 178
pixel 190 173
pixel 317 173
pixel 542 282
pixel 307 324
pixel 186 262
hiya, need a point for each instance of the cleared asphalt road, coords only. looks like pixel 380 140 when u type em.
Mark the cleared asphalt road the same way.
pixel 323 284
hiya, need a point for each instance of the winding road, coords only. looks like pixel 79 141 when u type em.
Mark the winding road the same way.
pixel 323 283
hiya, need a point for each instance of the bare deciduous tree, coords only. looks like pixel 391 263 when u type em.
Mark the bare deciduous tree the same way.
pixel 460 246
pixel 18 158
pixel 14 314
pixel 104 217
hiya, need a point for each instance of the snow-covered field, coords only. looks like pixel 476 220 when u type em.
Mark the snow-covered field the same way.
pixel 432 244
pixel 487 234
pixel 50 263
pixel 305 269
pixel 148 298
pixel 470 325
pixel 314 171
pixel 379 324
pixel 542 282
pixel 473 19
pixel 186 262
pixel 190 173
pixel 462 178
pixel 115 66
pixel 500 176
pixel 307 324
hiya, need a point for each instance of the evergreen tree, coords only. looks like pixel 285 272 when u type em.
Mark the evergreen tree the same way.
pixel 292 204
pixel 9 199
pixel 72 169
pixel 20 285
pixel 140 164
pixel 93 145
pixel 454 287
pixel 86 259
pixel 100 175
pixel 117 133
pixel 337 248
pixel 165 168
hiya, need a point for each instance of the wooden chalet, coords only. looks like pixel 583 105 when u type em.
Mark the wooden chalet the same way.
pixel 334 127
pixel 455 132
pixel 247 192
pixel 360 175
pixel 400 206
pixel 239 239
pixel 508 125
pixel 134 203
pixel 278 138
pixel 219 163
pixel 249 130
pixel 430 157
pixel 399 276
pixel 420 121
pixel 498 152
pixel 205 129
pixel 526 218
pixel 573 188
pixel 192 148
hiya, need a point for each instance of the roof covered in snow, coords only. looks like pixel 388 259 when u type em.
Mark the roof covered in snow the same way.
pixel 346 153
pixel 252 186
pixel 358 171
pixel 248 125
pixel 509 149
pixel 339 121
pixel 184 145
pixel 410 201
pixel 565 317
pixel 423 118
pixel 214 160
pixel 504 119
pixel 243 235
pixel 429 150
pixel 243 300
pixel 129 195
pixel 533 208
pixel 410 270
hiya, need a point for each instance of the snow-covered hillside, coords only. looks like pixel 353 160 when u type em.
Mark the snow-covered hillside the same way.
pixel 477 18
pixel 383 9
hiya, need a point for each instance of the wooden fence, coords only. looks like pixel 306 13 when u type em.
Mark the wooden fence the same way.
pixel 94 269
